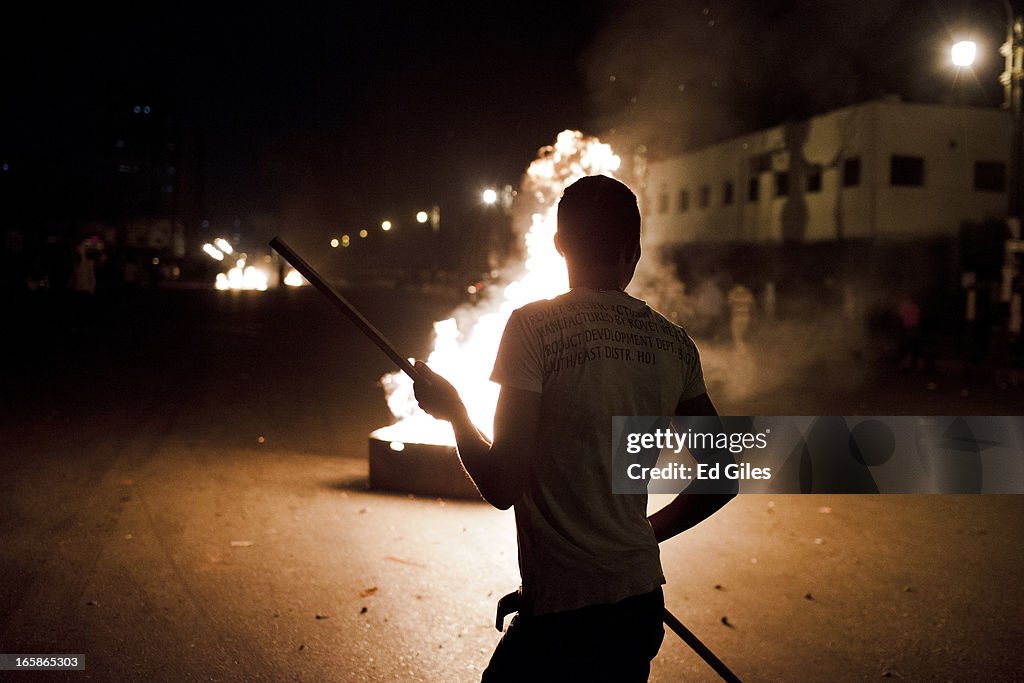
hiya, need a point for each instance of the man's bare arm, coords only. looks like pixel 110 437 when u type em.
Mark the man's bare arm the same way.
pixel 688 510
pixel 499 469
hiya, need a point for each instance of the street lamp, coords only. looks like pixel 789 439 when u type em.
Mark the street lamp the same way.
pixel 964 53
pixel 1013 51
pixel 1011 80
pixel 490 196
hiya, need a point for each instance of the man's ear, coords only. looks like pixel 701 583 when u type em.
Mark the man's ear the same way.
pixel 631 257
pixel 558 244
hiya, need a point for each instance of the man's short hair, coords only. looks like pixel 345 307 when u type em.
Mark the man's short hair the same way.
pixel 598 219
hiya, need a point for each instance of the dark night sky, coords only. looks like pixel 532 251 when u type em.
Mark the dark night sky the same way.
pixel 345 113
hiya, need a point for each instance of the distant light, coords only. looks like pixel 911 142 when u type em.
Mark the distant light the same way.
pixel 213 251
pixel 223 245
pixel 397 446
pixel 490 196
pixel 146 109
pixel 385 226
pixel 293 279
pixel 137 109
pixel 335 242
pixel 345 240
pixel 422 217
pixel 964 53
pixel 364 233
pixel 471 289
pixel 156 261
pixel 7 167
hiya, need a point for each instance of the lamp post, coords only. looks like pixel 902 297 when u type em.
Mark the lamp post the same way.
pixel 1011 79
pixel 963 55
pixel 1013 52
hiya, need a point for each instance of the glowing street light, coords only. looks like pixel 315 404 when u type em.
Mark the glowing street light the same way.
pixel 422 217
pixel 223 245
pixel 345 240
pixel 490 196
pixel 964 53
pixel 1012 80
pixel 385 226
pixel 364 233
pixel 335 242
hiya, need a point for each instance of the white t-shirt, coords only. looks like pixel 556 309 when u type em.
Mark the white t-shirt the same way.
pixel 591 354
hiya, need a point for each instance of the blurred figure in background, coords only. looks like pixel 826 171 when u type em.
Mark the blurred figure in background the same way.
pixel 910 337
pixel 741 309
pixel 710 308
pixel 83 279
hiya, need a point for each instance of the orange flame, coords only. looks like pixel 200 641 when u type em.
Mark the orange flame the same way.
pixel 466 343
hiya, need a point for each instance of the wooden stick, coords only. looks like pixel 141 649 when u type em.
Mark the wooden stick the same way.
pixel 700 648
pixel 348 309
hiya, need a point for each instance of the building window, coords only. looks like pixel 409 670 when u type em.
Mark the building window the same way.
pixel 814 179
pixel 851 172
pixel 663 202
pixel 754 188
pixel 727 193
pixel 906 171
pixel 760 163
pixel 684 200
pixel 990 176
pixel 782 184
pixel 705 196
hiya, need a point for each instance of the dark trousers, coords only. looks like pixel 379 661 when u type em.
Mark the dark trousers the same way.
pixel 613 643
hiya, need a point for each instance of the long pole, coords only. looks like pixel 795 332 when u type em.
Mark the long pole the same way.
pixel 700 648
pixel 1013 51
pixel 342 303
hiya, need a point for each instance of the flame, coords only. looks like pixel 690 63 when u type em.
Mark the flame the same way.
pixel 242 276
pixel 465 344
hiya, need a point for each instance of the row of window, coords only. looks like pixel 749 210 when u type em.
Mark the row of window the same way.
pixel 904 171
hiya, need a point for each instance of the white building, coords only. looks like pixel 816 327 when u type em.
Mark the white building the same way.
pixel 884 169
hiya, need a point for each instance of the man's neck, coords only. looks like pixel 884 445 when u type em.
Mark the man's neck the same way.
pixel 596 278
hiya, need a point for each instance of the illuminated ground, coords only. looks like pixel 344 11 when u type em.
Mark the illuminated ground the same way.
pixel 146 526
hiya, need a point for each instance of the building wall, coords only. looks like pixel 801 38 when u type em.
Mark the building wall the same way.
pixel 814 157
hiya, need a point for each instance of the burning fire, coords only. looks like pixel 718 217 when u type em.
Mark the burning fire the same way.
pixel 466 343
pixel 242 276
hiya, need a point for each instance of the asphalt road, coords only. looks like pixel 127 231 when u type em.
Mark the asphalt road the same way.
pixel 184 498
